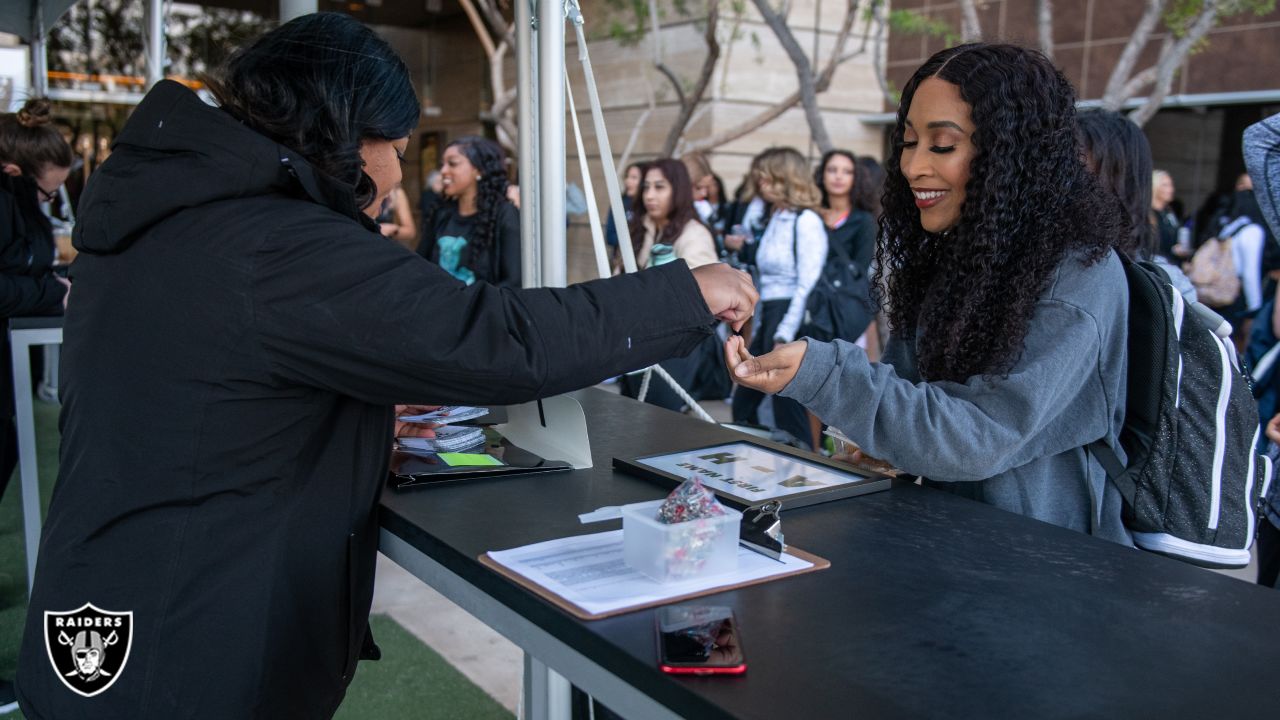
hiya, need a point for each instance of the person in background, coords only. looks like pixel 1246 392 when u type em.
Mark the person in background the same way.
pixel 235 361
pixel 1008 301
pixel 719 208
pixel 34 163
pixel 396 219
pixel 868 186
pixel 789 256
pixel 854 228
pixel 1250 236
pixel 432 194
pixel 702 179
pixel 1119 155
pixel 1162 215
pixel 851 233
pixel 1262 156
pixel 475 233
pixel 668 229
pixel 630 187
pixel 867 189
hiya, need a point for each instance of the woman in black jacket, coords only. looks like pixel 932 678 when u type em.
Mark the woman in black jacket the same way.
pixel 240 336
pixel 35 161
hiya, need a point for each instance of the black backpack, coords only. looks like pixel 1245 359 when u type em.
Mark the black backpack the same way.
pixel 839 305
pixel 1194 478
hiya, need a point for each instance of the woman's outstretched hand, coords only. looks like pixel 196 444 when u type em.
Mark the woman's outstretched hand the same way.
pixel 768 373
pixel 729 293
pixel 420 430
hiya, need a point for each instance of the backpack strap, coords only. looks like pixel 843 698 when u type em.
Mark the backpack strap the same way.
pixel 1118 474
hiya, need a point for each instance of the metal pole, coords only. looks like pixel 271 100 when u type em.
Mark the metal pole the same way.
pixel 290 9
pixel 155 42
pixel 527 97
pixel 39 59
pixel 551 142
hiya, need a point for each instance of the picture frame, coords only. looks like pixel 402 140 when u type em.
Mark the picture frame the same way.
pixel 744 473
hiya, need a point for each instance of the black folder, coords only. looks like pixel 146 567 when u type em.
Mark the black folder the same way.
pixel 412 468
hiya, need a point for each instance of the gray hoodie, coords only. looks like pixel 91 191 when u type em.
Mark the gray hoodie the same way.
pixel 1262 156
pixel 1016 442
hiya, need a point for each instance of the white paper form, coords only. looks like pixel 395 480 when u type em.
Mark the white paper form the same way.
pixel 589 571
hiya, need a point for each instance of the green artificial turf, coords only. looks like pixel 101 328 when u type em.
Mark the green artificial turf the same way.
pixel 411 682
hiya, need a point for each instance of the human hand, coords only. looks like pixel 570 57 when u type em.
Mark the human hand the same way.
pixel 734 242
pixel 1273 430
pixel 729 293
pixel 407 429
pixel 768 373
pixel 67 284
pixel 389 229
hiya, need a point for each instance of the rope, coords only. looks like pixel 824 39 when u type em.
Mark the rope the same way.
pixel 574 13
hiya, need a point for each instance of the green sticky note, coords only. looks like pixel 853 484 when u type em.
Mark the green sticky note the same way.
pixel 468 459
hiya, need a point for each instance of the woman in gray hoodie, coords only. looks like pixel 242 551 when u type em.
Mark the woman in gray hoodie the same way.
pixel 1007 302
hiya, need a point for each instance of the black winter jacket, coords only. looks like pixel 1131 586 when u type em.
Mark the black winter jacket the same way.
pixel 238 335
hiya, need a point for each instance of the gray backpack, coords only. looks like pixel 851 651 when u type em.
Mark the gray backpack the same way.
pixel 1194 479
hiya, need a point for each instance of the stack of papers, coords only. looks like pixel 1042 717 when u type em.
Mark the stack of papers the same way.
pixel 449 438
pixel 590 572
pixel 447 415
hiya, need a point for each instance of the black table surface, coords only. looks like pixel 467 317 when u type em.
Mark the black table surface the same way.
pixel 934 605
pixel 41 322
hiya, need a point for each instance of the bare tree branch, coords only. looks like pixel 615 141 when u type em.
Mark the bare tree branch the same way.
pixel 804 73
pixel 477 24
pixel 773 112
pixel 1141 80
pixel 1177 55
pixel 688 105
pixel 1044 26
pixel 493 15
pixel 1111 97
pixel 970 26
pixel 675 81
pixel 880 19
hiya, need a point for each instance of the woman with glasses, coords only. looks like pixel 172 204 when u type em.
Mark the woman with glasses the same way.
pixel 35 161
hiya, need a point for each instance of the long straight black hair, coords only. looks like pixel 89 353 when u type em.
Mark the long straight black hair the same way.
pixel 320 85
pixel 1120 156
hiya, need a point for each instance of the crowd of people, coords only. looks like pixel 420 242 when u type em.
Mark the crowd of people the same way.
pixel 238 347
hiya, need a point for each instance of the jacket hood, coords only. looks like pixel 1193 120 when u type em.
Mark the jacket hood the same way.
pixel 177 152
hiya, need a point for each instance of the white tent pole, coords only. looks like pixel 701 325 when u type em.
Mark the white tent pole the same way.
pixel 39 56
pixel 593 212
pixel 602 141
pixel 527 97
pixel 155 42
pixel 551 143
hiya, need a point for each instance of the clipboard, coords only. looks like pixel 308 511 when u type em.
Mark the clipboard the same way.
pixel 542 592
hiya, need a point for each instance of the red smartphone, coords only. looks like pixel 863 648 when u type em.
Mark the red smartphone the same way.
pixel 699 640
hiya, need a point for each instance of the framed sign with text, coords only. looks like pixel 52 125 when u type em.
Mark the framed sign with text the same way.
pixel 746 474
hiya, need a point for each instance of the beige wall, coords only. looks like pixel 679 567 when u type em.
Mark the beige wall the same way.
pixel 753 72
pixel 1240 54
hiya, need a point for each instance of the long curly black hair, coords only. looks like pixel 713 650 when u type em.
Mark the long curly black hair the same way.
pixel 967 295
pixel 490 160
